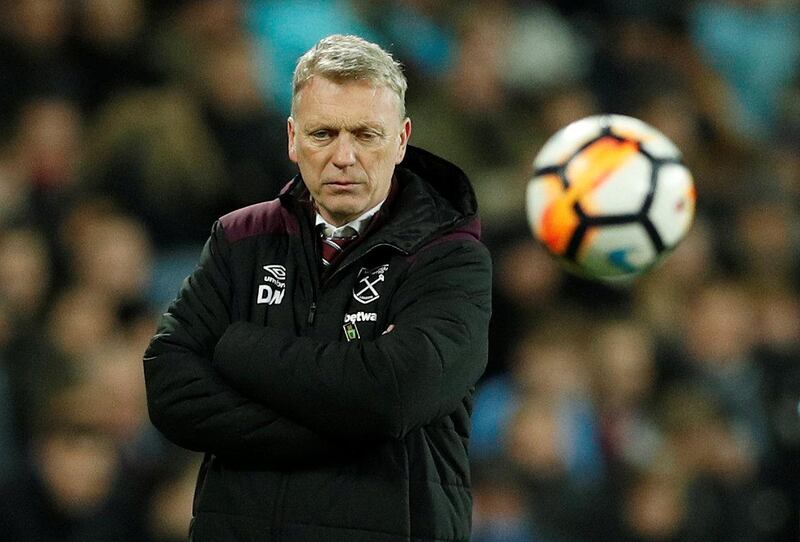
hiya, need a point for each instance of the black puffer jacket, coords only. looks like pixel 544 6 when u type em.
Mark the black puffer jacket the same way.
pixel 317 425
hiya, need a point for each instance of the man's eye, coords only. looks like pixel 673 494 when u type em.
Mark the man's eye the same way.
pixel 368 136
pixel 320 134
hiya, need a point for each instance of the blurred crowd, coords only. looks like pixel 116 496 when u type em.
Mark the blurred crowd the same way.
pixel 664 411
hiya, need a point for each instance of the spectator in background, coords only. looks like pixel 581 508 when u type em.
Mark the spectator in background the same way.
pixel 144 455
pixel 16 192
pixel 25 288
pixel 79 319
pixel 286 29
pixel 151 152
pixel 527 283
pixel 661 298
pixel 168 506
pixel 778 337
pixel 624 366
pixel 720 348
pixel 541 417
pixel 470 116
pixel 109 253
pixel 225 70
pixel 33 58
pixel 68 493
pixel 10 435
pixel 246 128
pixel 722 360
pixel 764 245
pixel 111 50
pixel 187 31
pixel 550 445
pixel 500 511
pixel 49 143
pixel 25 274
pixel 419 31
pixel 755 47
pixel 654 505
pixel 541 362
pixel 49 139
pixel 180 155
pixel 714 472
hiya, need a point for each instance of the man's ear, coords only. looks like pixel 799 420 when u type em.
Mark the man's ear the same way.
pixel 290 130
pixel 405 134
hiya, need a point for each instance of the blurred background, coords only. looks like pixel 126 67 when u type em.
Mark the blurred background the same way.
pixel 667 411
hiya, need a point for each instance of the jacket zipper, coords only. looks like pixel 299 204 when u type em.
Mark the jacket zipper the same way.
pixel 312 311
pixel 277 524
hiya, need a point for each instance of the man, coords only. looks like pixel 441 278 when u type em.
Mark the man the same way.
pixel 332 398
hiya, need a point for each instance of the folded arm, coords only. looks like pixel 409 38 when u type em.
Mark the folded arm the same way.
pixel 388 386
pixel 187 399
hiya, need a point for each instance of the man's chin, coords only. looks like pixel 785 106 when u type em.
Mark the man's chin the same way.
pixel 342 214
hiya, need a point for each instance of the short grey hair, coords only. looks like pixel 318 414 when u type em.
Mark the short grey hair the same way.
pixel 343 58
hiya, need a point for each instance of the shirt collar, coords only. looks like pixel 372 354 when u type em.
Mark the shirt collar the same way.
pixel 358 224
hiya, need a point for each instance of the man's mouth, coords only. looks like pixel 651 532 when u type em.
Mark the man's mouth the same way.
pixel 341 183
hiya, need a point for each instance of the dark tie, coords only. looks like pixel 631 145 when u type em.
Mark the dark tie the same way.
pixel 333 246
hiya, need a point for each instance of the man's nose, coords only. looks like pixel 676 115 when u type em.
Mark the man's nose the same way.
pixel 344 155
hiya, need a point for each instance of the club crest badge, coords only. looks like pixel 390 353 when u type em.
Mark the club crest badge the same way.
pixel 368 284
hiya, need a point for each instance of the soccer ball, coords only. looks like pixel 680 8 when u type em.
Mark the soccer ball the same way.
pixel 610 197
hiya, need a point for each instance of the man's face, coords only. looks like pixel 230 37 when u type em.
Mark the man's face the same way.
pixel 346 139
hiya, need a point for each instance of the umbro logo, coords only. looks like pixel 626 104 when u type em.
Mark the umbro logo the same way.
pixel 273 291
